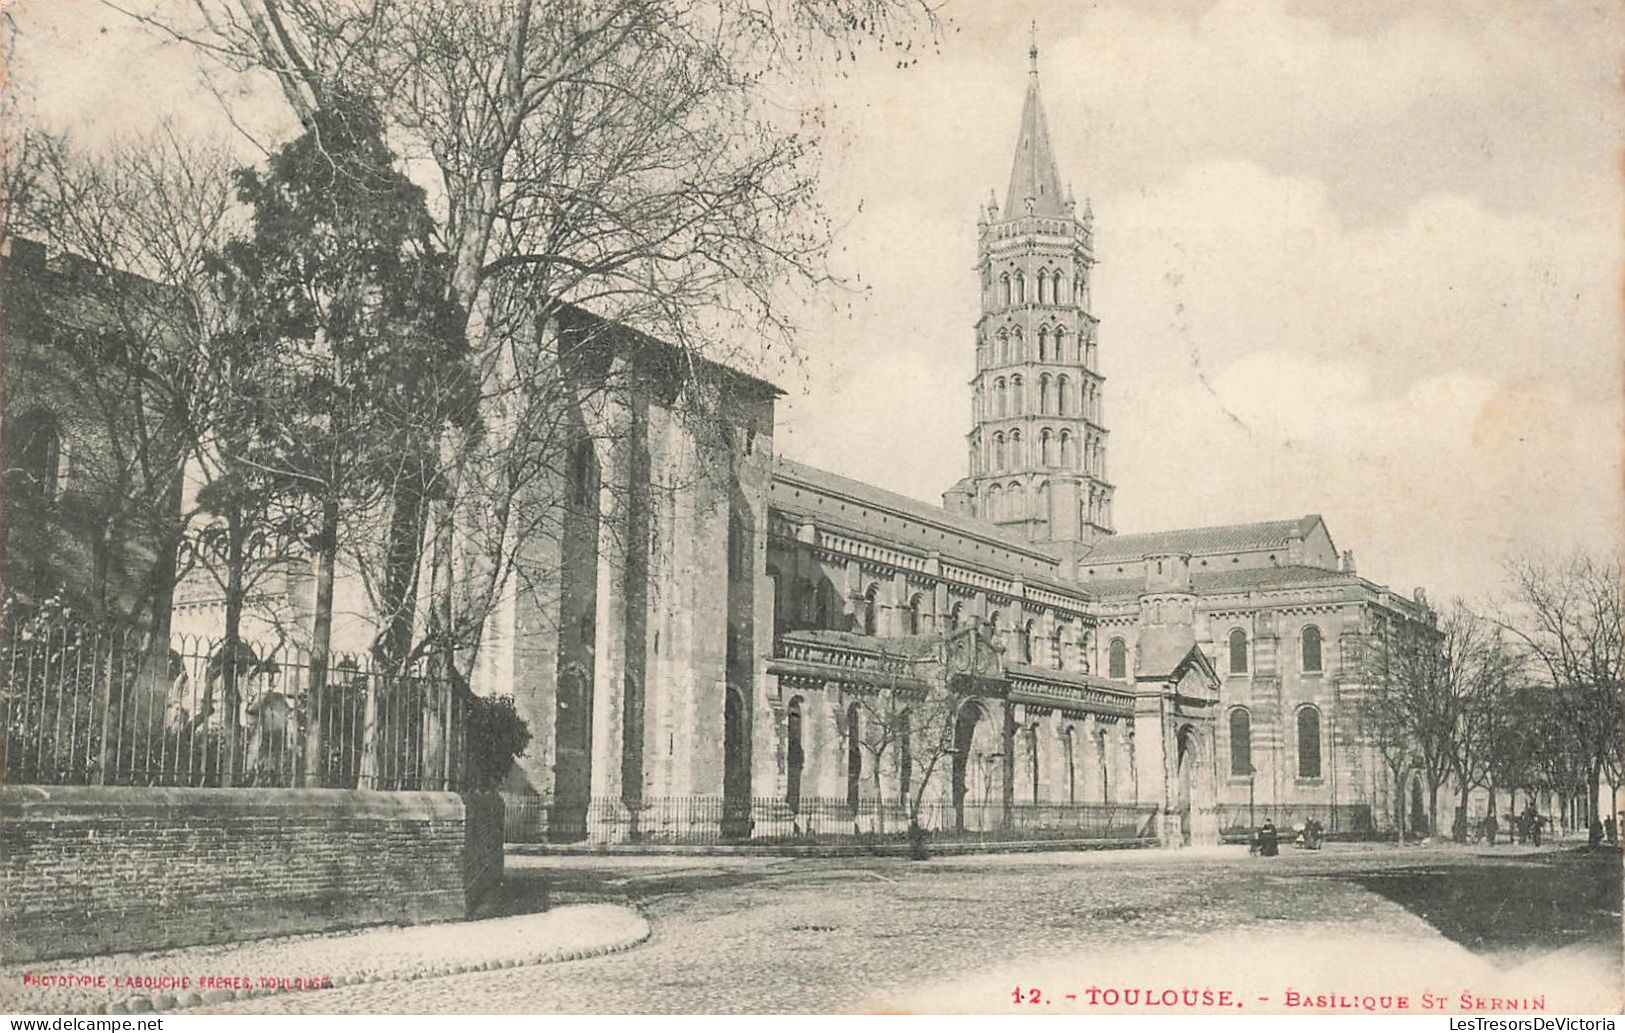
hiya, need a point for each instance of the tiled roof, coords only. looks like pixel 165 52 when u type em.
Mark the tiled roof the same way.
pixel 1238 580
pixel 924 512
pixel 1202 540
pixel 1162 649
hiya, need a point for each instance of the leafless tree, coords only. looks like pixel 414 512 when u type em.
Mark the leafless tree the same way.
pixel 1567 612
pixel 634 156
pixel 132 224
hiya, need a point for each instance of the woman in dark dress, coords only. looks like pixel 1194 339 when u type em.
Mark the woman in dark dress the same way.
pixel 1269 843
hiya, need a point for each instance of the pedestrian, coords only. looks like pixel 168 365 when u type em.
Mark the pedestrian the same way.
pixel 1534 827
pixel 1490 827
pixel 1269 841
pixel 1594 834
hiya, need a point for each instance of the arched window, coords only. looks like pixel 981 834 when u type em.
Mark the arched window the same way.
pixel 1063 391
pixel 871 611
pixel 830 616
pixel 998 452
pixel 1043 387
pixel 1241 742
pixel 1017 458
pixel 916 621
pixel 1311 649
pixel 1046 448
pixel 1017 402
pixel 956 616
pixel 1056 288
pixel 34 455
pixel 854 758
pixel 1032 756
pixel 795 756
pixel 1005 284
pixel 1043 344
pixel 807 600
pixel 1000 398
pixel 1060 344
pixel 1021 288
pixel 993 629
pixel 1117 659
pixel 1067 458
pixel 1056 654
pixel 1308 742
pixel 1018 345
pixel 1238 651
pixel 1070 745
pixel 1025 643
pixel 995 500
pixel 1004 346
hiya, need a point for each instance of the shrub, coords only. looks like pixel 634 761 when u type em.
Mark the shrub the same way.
pixel 496 734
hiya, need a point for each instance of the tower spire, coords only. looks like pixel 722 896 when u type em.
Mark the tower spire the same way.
pixel 1033 176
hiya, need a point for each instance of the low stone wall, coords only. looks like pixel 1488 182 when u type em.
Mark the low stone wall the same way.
pixel 92 869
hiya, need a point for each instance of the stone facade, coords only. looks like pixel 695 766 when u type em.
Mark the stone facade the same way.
pixel 720 623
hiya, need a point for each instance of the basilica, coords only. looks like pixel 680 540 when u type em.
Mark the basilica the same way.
pixel 724 642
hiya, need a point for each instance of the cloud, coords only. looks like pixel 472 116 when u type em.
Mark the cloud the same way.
pixel 1442 386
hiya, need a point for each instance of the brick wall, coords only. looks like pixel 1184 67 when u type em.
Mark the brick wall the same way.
pixel 90 869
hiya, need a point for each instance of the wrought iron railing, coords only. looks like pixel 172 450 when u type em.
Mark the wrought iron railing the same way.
pixel 1348 821
pixel 701 820
pixel 103 706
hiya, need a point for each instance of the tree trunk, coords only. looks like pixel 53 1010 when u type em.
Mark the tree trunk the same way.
pixel 1593 792
pixel 403 554
pixel 1399 803
pixel 235 592
pixel 1433 808
pixel 321 641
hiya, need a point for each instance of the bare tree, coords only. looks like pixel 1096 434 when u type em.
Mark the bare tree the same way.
pixel 1484 709
pixel 129 351
pixel 1422 705
pixel 1568 614
pixel 636 156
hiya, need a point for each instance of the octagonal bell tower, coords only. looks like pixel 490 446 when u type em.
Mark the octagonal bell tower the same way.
pixel 1037 445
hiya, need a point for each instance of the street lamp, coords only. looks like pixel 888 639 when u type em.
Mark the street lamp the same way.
pixel 1252 773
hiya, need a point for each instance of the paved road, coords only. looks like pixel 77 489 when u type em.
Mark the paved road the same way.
pixel 1530 929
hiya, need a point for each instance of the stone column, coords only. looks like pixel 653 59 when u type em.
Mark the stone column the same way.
pixel 1152 751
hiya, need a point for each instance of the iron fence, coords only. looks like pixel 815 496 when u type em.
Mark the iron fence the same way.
pixel 86 705
pixel 1345 821
pixel 703 820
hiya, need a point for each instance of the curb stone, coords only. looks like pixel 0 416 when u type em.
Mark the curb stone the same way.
pixel 168 1003
pixel 437 971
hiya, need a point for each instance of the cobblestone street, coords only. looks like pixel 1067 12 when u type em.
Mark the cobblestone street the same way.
pixel 961 934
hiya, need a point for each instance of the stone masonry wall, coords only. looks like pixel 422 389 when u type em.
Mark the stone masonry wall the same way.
pixel 92 869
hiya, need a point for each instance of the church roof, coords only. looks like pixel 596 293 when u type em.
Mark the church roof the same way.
pixel 923 512
pixel 1163 653
pixel 1221 581
pixel 1034 174
pixel 1268 534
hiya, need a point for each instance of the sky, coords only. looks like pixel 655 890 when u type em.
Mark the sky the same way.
pixel 1361 260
